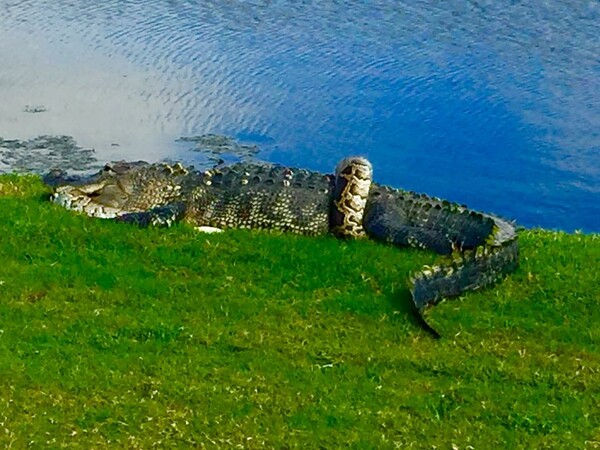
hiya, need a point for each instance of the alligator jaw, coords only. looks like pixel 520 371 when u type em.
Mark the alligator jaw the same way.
pixel 79 200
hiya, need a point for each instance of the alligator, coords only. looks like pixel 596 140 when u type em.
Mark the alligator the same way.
pixel 478 248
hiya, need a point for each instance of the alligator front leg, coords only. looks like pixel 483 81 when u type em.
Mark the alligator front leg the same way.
pixel 161 216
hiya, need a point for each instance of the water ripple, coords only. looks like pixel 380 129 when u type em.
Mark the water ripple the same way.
pixel 491 103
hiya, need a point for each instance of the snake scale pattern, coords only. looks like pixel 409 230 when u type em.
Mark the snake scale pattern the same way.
pixel 479 248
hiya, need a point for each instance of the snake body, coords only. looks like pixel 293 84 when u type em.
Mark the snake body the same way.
pixel 479 248
pixel 353 178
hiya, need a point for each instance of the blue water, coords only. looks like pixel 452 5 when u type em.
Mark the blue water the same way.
pixel 492 104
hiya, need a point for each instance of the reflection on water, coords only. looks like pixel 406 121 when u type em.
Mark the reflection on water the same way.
pixel 494 104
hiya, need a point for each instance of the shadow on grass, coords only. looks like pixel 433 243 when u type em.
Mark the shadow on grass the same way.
pixel 403 303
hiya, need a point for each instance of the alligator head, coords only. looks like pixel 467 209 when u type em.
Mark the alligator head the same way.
pixel 105 199
pixel 121 188
pixel 104 194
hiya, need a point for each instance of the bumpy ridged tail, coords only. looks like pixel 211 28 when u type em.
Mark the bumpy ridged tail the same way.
pixel 478 248
pixel 469 269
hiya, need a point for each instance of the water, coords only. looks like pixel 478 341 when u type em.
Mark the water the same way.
pixel 492 104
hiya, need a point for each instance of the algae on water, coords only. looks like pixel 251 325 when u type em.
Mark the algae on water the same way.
pixel 42 153
pixel 215 147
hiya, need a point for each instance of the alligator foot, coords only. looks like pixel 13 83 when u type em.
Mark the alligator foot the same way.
pixel 162 216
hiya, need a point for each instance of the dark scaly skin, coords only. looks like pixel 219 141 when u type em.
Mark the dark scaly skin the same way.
pixel 260 196
pixel 479 248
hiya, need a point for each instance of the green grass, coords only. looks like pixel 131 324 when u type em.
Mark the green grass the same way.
pixel 114 336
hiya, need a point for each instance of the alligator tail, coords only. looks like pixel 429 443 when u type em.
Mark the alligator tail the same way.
pixel 477 248
pixel 469 269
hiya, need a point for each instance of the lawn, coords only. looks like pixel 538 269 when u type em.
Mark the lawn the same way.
pixel 116 336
